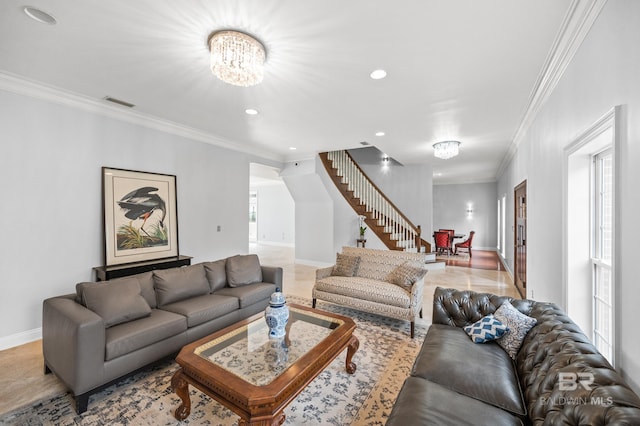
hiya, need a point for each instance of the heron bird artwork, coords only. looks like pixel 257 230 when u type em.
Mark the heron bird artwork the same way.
pixel 141 204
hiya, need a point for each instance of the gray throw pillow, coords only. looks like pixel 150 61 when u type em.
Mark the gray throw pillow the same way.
pixel 216 274
pixel 518 324
pixel 243 269
pixel 346 266
pixel 175 284
pixel 407 274
pixel 115 301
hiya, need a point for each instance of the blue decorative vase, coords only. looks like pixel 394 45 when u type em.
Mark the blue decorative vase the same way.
pixel 277 315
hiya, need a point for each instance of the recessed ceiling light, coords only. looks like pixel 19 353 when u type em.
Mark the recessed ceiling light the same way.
pixel 378 74
pixel 437 174
pixel 292 148
pixel 251 111
pixel 39 15
pixel 379 133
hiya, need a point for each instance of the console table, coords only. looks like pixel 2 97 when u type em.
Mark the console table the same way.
pixel 104 273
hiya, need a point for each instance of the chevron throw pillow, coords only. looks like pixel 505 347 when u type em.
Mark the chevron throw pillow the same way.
pixel 486 329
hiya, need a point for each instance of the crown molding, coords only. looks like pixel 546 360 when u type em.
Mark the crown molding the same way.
pixel 576 25
pixel 17 84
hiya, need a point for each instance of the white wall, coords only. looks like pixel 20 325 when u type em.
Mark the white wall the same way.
pixel 450 203
pixel 604 73
pixel 276 214
pixel 50 186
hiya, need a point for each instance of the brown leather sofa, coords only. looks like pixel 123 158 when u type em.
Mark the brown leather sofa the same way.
pixel 457 382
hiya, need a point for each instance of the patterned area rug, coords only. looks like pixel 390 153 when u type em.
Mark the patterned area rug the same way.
pixel 384 359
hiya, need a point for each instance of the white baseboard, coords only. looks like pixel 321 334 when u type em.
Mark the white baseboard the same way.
pixel 313 263
pixel 273 243
pixel 21 338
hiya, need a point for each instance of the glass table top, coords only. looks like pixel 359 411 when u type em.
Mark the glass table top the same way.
pixel 249 352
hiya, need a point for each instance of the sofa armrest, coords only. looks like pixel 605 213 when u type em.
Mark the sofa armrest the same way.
pixel 73 343
pixel 272 274
pixel 323 272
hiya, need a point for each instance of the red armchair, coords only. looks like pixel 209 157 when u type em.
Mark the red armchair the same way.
pixel 465 245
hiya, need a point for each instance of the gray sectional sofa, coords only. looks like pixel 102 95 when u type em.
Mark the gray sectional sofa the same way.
pixel 108 330
pixel 556 377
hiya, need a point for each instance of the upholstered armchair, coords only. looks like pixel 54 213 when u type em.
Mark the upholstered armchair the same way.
pixel 443 242
pixel 465 245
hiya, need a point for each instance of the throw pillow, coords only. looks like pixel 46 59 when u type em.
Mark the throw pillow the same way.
pixel 176 284
pixel 486 329
pixel 519 325
pixel 346 266
pixel 407 274
pixel 216 274
pixel 243 269
pixel 116 302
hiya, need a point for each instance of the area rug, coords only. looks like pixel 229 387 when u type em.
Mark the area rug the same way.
pixel 384 359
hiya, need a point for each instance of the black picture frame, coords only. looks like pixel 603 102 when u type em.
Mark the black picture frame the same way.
pixel 140 216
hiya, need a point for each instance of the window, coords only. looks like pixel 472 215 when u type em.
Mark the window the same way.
pixel 602 252
pixel 503 245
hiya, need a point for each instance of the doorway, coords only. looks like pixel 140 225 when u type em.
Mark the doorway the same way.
pixel 520 238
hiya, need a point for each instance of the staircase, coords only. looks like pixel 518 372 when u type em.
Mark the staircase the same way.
pixel 381 216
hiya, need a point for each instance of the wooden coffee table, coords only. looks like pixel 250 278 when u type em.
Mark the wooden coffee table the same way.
pixel 257 377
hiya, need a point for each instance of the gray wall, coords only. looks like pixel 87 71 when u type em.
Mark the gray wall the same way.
pixel 450 204
pixel 51 219
pixel 603 73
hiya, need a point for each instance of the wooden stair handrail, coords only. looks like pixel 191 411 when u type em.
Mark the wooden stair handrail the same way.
pixel 419 241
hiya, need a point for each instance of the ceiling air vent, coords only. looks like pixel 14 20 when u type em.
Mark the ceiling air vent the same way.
pixel 118 101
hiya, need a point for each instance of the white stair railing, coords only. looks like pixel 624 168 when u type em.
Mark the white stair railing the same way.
pixel 377 207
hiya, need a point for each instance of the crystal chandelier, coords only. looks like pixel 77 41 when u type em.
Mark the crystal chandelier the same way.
pixel 236 58
pixel 446 149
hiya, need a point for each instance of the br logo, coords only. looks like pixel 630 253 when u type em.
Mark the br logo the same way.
pixel 570 381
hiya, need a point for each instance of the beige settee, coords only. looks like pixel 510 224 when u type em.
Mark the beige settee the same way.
pixel 383 282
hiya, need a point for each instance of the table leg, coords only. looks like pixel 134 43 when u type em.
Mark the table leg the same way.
pixel 354 344
pixel 276 420
pixel 181 387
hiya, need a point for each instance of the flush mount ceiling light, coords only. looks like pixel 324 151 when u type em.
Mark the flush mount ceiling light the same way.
pixel 251 111
pixel 446 149
pixel 237 58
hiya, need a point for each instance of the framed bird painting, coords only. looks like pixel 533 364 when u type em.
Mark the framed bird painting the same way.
pixel 140 216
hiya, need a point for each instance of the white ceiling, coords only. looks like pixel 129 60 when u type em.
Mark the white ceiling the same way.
pixel 457 69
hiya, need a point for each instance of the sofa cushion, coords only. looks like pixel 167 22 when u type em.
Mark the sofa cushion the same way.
pixel 519 325
pixel 365 289
pixel 146 285
pixel 378 264
pixel 486 329
pixel 243 269
pixel 128 337
pixel 346 266
pixel 249 294
pixel 407 274
pixel 175 284
pixel 115 301
pixel 216 274
pixel 421 402
pixel 201 309
pixel 448 357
